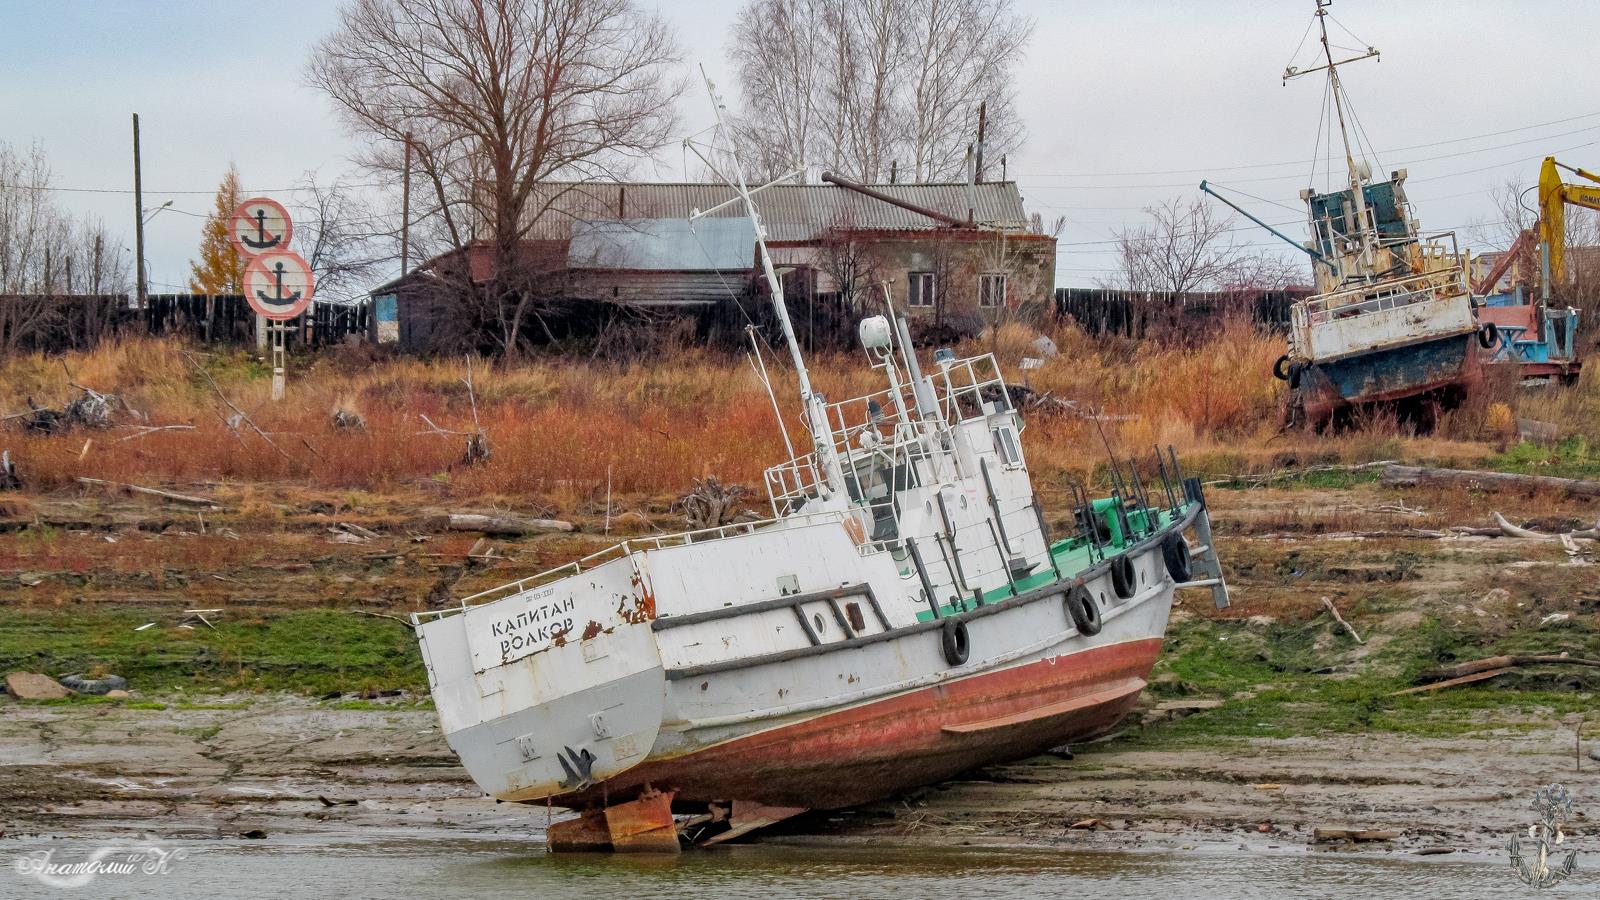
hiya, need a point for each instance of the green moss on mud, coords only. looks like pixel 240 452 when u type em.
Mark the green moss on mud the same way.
pixel 313 651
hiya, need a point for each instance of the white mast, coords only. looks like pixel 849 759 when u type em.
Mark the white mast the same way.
pixel 815 408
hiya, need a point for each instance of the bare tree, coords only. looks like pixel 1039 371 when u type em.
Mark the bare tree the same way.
pixel 499 97
pixel 1190 247
pixel 45 257
pixel 858 85
pixel 334 228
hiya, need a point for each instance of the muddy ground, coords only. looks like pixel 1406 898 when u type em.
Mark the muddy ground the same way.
pixel 1292 726
pixel 284 765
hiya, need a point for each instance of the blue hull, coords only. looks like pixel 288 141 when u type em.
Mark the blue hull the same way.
pixel 1389 375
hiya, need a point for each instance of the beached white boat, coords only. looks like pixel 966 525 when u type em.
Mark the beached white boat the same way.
pixel 904 616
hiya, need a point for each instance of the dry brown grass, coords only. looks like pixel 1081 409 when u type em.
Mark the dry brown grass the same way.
pixel 562 429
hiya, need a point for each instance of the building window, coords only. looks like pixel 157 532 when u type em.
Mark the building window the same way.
pixel 920 289
pixel 991 290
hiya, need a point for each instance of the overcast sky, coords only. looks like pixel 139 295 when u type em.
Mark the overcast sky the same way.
pixel 1111 92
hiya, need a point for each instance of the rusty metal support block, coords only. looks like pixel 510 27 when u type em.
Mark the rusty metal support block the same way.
pixel 642 825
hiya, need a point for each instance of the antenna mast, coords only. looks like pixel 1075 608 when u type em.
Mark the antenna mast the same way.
pixel 1357 183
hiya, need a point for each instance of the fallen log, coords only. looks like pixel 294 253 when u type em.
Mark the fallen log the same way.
pixel 505 525
pixel 185 499
pixel 1473 667
pixel 1413 476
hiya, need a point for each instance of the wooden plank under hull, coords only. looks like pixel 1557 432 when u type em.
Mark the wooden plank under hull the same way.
pixel 881 748
pixel 1387 376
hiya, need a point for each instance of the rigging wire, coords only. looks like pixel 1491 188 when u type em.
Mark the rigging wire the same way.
pixel 1300 46
pixel 1326 158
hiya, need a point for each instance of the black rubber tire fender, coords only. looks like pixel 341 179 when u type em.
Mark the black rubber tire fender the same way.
pixel 1082 611
pixel 1295 371
pixel 955 641
pixel 1488 336
pixel 1175 553
pixel 1124 581
pixel 1278 370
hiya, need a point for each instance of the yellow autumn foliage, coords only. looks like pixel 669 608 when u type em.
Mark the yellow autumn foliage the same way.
pixel 220 268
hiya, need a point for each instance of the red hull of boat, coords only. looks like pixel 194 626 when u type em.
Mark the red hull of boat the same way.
pixel 881 748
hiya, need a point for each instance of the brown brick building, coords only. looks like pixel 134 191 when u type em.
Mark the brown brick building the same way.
pixel 951 255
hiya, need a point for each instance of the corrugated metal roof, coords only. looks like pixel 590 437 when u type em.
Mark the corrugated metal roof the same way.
pixel 663 244
pixel 791 212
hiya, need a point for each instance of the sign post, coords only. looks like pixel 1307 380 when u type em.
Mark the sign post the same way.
pixel 278 283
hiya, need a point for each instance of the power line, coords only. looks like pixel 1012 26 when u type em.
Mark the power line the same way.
pixel 1302 162
pixel 1265 178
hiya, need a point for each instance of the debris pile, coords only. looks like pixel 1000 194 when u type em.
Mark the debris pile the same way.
pixel 711 504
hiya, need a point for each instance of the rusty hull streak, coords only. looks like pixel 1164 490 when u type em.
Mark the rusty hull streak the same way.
pixel 875 750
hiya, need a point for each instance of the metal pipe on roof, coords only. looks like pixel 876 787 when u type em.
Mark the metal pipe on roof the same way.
pixel 935 215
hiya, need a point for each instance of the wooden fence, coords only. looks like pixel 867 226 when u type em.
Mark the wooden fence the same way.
pixel 1170 316
pixel 53 324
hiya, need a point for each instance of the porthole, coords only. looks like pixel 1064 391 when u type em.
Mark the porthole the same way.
pixel 822 626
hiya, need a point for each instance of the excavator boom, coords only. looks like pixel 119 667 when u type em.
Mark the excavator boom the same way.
pixel 1554 195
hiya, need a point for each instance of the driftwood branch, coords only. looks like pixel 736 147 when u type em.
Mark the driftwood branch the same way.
pixel 144 430
pixel 185 499
pixel 241 415
pixel 1340 619
pixel 1510 530
pixel 1413 476
pixel 379 615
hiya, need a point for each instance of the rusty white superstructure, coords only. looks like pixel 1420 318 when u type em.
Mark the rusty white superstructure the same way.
pixel 1393 319
pixel 903 616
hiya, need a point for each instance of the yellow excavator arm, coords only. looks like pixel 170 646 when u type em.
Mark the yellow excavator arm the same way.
pixel 1554 195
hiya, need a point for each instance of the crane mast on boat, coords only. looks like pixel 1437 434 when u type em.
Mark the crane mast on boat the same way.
pixel 1336 89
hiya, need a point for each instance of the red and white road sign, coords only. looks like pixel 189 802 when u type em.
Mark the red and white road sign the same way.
pixel 278 284
pixel 260 225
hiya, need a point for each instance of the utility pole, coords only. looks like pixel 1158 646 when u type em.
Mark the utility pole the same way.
pixel 405 212
pixel 141 289
pixel 983 118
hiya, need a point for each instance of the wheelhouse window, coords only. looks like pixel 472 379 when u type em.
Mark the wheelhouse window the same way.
pixel 920 289
pixel 1006 447
pixel 992 290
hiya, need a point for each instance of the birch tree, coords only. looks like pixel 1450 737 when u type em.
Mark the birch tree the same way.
pixel 861 85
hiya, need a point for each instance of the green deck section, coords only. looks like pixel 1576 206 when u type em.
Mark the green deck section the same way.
pixel 1072 557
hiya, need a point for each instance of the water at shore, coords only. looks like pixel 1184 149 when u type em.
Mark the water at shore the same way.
pixel 349 868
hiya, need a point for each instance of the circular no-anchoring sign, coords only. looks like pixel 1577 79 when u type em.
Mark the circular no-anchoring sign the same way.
pixel 278 284
pixel 260 225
